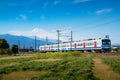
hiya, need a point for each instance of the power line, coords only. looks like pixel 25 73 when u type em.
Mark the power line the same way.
pixel 116 20
pixel 102 24
pixel 98 19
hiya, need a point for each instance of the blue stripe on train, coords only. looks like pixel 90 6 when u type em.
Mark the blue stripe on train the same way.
pixel 87 48
pixel 70 48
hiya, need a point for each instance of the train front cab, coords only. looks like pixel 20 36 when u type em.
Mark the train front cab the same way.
pixel 106 45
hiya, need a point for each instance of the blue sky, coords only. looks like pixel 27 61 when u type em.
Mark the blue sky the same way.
pixel 86 18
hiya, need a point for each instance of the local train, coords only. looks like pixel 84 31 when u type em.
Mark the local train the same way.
pixel 91 45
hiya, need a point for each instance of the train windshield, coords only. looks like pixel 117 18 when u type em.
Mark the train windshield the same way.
pixel 106 42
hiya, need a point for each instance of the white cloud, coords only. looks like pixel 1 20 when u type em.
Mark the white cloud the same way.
pixel 21 17
pixel 24 17
pixel 89 12
pixel 40 33
pixel 34 1
pixel 45 4
pixel 20 33
pixel 103 11
pixel 42 17
pixel 56 2
pixel 12 4
pixel 29 11
pixel 79 1
pixel 36 31
pixel 67 13
pixel 17 18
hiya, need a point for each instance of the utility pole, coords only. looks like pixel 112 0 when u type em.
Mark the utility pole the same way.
pixel 71 40
pixel 58 35
pixel 46 40
pixel 18 46
pixel 35 43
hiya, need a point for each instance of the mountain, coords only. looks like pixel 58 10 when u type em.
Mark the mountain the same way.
pixel 118 46
pixel 23 42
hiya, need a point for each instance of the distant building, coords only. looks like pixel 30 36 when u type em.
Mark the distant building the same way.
pixel 116 48
pixel 26 50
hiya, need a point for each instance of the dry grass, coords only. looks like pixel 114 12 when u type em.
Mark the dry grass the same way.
pixel 11 64
pixel 22 75
pixel 14 57
pixel 47 60
pixel 103 72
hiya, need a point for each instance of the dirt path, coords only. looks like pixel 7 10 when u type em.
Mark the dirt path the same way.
pixel 103 72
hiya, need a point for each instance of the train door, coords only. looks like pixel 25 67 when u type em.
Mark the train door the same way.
pixel 84 45
pixel 95 45
pixel 75 46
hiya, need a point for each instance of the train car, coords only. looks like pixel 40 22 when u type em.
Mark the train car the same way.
pixel 96 45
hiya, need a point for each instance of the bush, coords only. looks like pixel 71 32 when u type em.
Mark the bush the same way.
pixel 5 51
pixel 76 53
pixel 57 55
pixel 8 51
pixel 2 52
pixel 8 69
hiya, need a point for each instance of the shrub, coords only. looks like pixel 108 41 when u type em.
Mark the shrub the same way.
pixel 1 51
pixel 57 55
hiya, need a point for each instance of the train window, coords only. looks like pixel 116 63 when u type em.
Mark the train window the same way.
pixel 91 43
pixel 87 44
pixel 54 46
pixel 106 42
pixel 63 45
pixel 98 43
pixel 60 45
pixel 72 45
pixel 67 45
pixel 51 46
pixel 79 44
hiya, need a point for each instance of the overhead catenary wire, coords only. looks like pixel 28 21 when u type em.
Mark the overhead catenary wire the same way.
pixel 98 25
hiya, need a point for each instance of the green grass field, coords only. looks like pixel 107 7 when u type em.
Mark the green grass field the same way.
pixel 113 62
pixel 51 66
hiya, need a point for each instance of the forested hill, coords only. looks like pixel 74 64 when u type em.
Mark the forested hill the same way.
pixel 22 41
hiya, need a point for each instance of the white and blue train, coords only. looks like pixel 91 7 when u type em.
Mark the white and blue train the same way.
pixel 97 45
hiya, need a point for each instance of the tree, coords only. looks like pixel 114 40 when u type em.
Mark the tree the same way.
pixel 2 51
pixel 15 49
pixel 4 47
pixel 8 51
pixel 3 44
